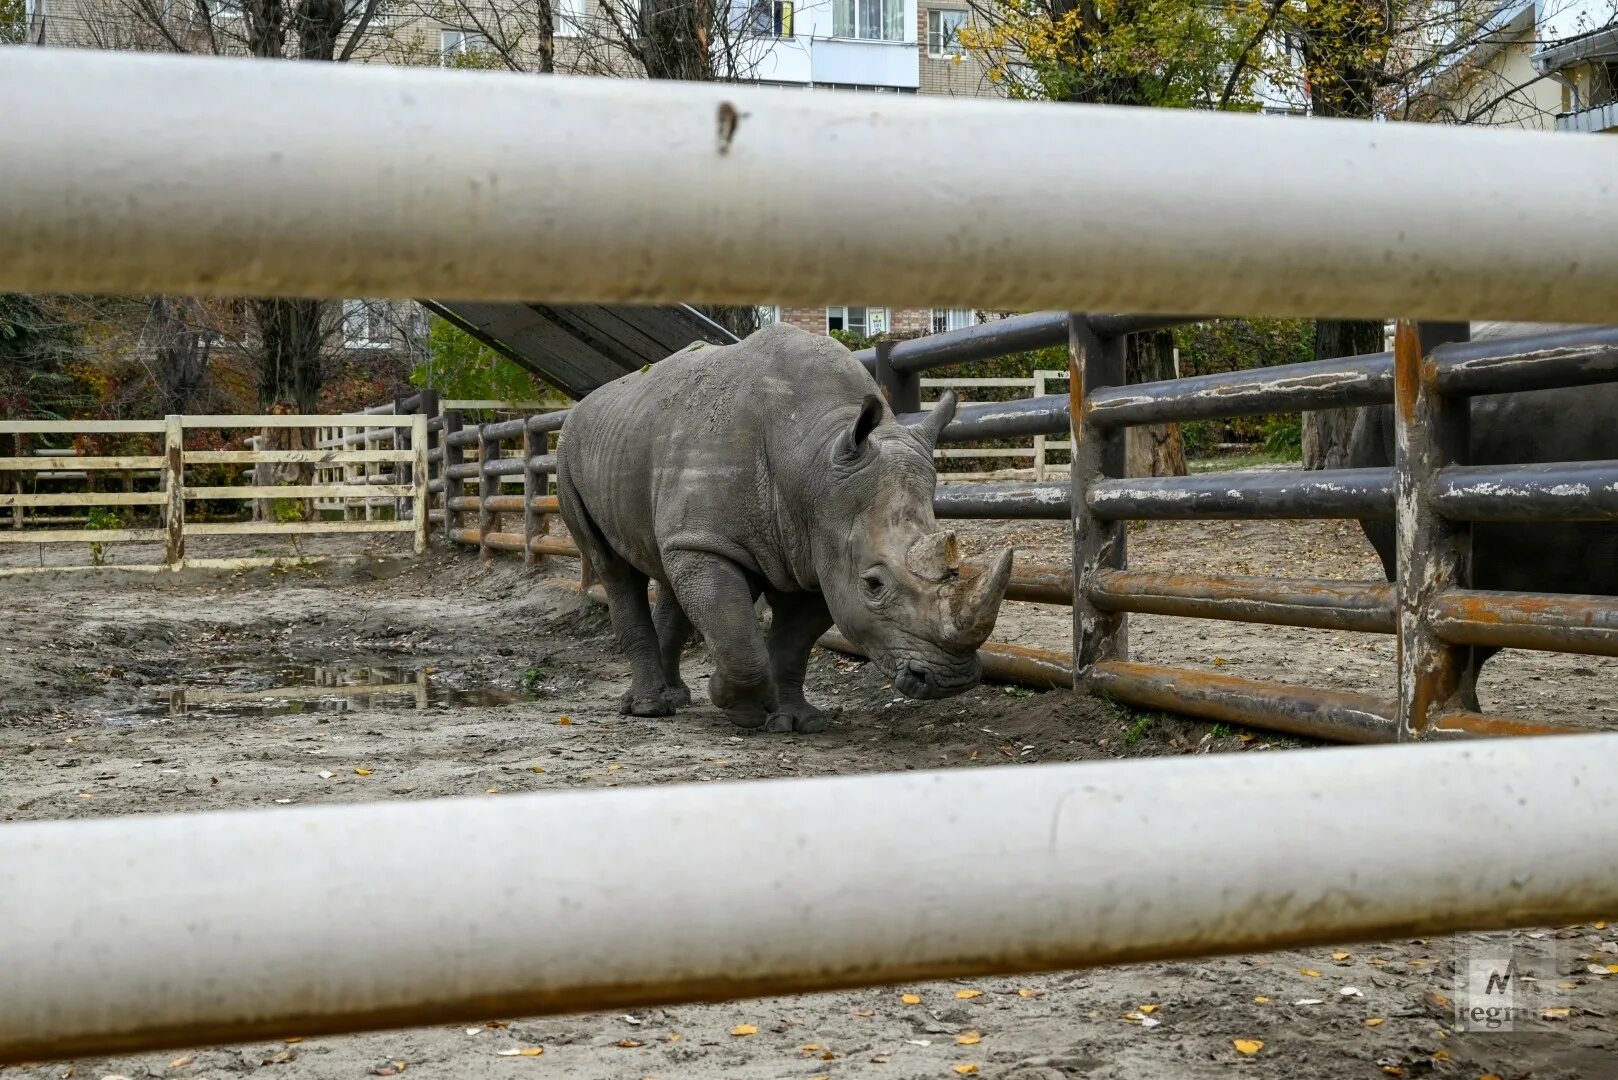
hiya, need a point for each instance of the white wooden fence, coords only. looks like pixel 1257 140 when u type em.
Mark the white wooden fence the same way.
pixel 1041 446
pixel 405 485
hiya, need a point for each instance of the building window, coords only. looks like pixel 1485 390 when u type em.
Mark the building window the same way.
pixel 945 319
pixel 765 18
pixel 944 32
pixel 872 20
pixel 859 321
pixel 365 324
pixel 455 44
pixel 768 315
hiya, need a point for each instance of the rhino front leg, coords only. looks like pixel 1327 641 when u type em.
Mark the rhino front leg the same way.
pixel 718 598
pixel 673 632
pixel 796 622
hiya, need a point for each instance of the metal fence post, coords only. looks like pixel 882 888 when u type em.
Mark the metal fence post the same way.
pixel 534 484
pixel 1098 454
pixel 174 477
pixel 420 480
pixel 488 488
pixel 903 390
pixel 453 485
pixel 1434 553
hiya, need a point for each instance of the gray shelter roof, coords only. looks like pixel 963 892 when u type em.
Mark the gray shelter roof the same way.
pixel 580 347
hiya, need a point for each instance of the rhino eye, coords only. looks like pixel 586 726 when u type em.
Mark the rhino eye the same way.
pixel 873 583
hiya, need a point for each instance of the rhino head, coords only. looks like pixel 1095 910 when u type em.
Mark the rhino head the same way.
pixel 893 581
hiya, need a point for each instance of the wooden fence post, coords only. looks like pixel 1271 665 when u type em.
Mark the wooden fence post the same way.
pixel 1098 454
pixel 421 475
pixel 174 477
pixel 488 488
pixel 1434 553
pixel 534 484
pixel 1039 440
pixel 453 485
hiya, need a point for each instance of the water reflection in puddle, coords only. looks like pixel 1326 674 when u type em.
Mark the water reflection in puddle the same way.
pixel 330 689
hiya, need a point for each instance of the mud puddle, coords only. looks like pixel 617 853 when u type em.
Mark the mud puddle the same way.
pixel 280 690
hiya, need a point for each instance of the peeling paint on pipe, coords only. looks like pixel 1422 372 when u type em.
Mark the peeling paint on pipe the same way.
pixel 958 500
pixel 1556 491
pixel 1521 620
pixel 1501 365
pixel 1325 605
pixel 1320 384
pixel 1047 415
pixel 1327 493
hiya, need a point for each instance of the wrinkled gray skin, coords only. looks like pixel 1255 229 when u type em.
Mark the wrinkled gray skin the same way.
pixel 769 467
pixel 1577 423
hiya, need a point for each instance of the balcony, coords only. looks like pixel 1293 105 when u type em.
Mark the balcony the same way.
pixel 860 62
pixel 1597 118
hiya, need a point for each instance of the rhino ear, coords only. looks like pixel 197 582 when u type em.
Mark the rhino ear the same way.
pixel 856 440
pixel 937 420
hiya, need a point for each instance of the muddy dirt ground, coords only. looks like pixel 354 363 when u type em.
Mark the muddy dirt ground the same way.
pixel 132 694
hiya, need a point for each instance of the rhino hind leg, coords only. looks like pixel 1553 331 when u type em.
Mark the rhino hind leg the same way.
pixel 673 633
pixel 796 622
pixel 718 598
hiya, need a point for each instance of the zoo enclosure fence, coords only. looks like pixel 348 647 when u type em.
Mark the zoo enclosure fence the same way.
pixel 403 487
pixel 1071 861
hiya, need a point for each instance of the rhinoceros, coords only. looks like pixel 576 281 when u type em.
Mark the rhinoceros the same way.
pixel 769 467
pixel 1567 424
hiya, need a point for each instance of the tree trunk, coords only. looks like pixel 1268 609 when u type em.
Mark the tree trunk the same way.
pixel 1153 449
pixel 181 360
pixel 740 321
pixel 291 335
pixel 1326 433
pixel 675 36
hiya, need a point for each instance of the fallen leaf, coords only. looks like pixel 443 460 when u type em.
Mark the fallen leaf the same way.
pixel 1555 1014
pixel 965 1069
pixel 526 1051
pixel 810 1048
pixel 611 767
pixel 1566 985
pixel 1339 956
pixel 1393 1070
pixel 564 719
pixel 1378 961
pixel 919 1042
pixel 1311 972
pixel 535 768
pixel 363 772
pixel 326 774
pixel 491 791
pixel 673 1036
pixel 968 1038
pixel 827 1055
pixel 1261 1000
pixel 1373 1021
pixel 279 1059
pixel 181 1062
pixel 391 1068
pixel 742 1031
pixel 1602 925
pixel 637 1021
pixel 1310 1001
pixel 1029 992
pixel 865 1012
pixel 1247 1046
pixel 630 1044
pixel 1148 1009
pixel 1219 661
pixel 967 995
pixel 290 1039
pixel 85 795
pixel 1440 1000
pixel 282 802
pixel 495 1024
pixel 910 999
pixel 473 1031
pixel 1440 1055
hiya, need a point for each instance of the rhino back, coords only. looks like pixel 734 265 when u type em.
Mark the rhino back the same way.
pixel 1567 424
pixel 697 450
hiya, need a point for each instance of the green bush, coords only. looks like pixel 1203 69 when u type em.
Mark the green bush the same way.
pixel 461 366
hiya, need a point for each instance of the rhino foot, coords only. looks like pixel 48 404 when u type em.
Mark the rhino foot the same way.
pixel 656 703
pixel 677 696
pixel 803 718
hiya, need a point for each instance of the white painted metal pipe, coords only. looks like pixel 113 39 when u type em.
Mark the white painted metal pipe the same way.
pixel 140 173
pixel 177 930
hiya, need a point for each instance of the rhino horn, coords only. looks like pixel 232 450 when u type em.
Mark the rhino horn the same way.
pixel 937 420
pixel 934 557
pixel 976 603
